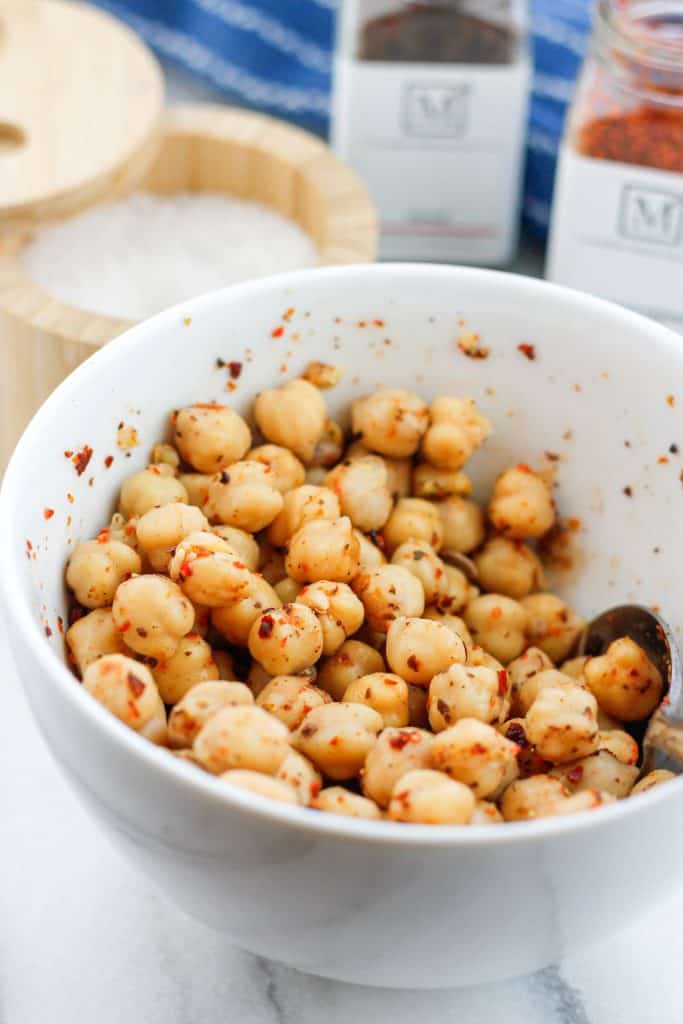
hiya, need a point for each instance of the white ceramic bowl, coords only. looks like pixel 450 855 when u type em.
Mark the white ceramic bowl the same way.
pixel 370 902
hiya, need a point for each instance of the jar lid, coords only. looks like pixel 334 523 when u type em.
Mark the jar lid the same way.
pixel 80 107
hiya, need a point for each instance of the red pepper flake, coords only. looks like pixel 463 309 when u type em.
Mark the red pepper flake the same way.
pixel 496 612
pixel 362 323
pixel 552 456
pixel 234 369
pixel 628 491
pixel 108 462
pixel 60 623
pixel 266 627
pixel 185 570
pixel 413 663
pixel 523 468
pixel 48 632
pixel 671 400
pixel 104 536
pixel 575 774
pixel 662 460
pixel 289 314
pixel 124 627
pixel 378 323
pixel 402 739
pixel 277 332
pixel 48 513
pixel 135 685
pixel 68 453
pixel 502 682
pixel 82 458
pixel 528 351
pixel 70 498
pixel 516 734
pixel 574 524
pixel 29 546
pixel 468 343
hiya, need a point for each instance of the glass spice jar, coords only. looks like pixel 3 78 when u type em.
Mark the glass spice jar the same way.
pixel 617 225
pixel 429 105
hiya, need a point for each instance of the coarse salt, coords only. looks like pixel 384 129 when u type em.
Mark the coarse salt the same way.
pixel 136 256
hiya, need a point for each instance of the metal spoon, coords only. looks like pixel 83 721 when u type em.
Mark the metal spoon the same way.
pixel 663 740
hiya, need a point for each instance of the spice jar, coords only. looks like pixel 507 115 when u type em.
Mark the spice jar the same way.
pixel 617 227
pixel 429 106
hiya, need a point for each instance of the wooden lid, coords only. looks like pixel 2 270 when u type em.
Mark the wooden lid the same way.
pixel 80 106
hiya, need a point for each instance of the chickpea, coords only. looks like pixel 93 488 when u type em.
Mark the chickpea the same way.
pixel 156 730
pixel 337 800
pixel 509 567
pixel 587 800
pixel 390 421
pixel 242 737
pixel 287 471
pixel 548 678
pixel 192 663
pixel 224 664
pixel 290 698
pixel 286 640
pixel 353 660
pixel 361 486
pixel 476 754
pixel 389 593
pixel 330 447
pixel 93 636
pixel 522 505
pixel 619 744
pixel 272 564
pixel 210 437
pixel 419 649
pixel 263 785
pixel 624 681
pixel 529 761
pixel 234 621
pixel 293 416
pixel 196 487
pixel 244 496
pixel 340 613
pixel 413 519
pixel 302 505
pixel 498 624
pixel 147 489
pixel 426 797
pixel 574 668
pixel 562 723
pixel 338 737
pixel 323 550
pixel 152 614
pixel 371 556
pixel 302 775
pixel 536 797
pixel 124 687
pixel 431 482
pixel 457 430
pixel 598 771
pixel 396 752
pixel 201 703
pixel 464 691
pixel 162 529
pixel 486 813
pixel 209 572
pixel 399 471
pixel 462 524
pixel 386 693
pixel 522 668
pixel 420 559
pixel 553 626
pixel 654 778
pixel 241 542
pixel 96 568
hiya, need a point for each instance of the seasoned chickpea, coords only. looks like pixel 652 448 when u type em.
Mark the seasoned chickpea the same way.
pixel 124 687
pixel 399 471
pixel 300 506
pixel 302 775
pixel 286 640
pixel 522 505
pixel 389 593
pixel 431 482
pixel 624 681
pixel 293 416
pixel 426 797
pixel 499 625
pixel 562 723
pixel 340 613
pixel 330 446
pixel 413 519
pixel 241 542
pixel 390 421
pixel 396 752
pixel 323 550
pixel 92 636
pixel 264 785
pixel 209 572
pixel 234 621
pixel 386 693
pixel 418 649
pixel 192 663
pixel 420 559
pixel 619 744
pixel 153 615
pixel 287 471
pixel 199 704
pixel 574 667
pixel 466 691
pixel 210 437
pixel 587 800
pixel 486 813
pixel 272 564
pixel 353 660
pixel 96 568
pixel 338 800
pixel 361 487
pixel 529 691
pixel 457 430
pixel 553 626
pixel 654 778
pixel 242 737
pixel 371 556
pixel 338 738
pixel 290 698
pixel 244 495
pixel 162 529
pixel 598 771
pixel 476 754
pixel 537 797
pixel 149 488
pixel 509 567
pixel 533 660
pixel 462 524
pixel 196 487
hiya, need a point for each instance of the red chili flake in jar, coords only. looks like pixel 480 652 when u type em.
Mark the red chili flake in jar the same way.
pixel 108 462
pixel 502 682
pixel 647 136
pixel 135 685
pixel 82 458
pixel 48 513
pixel 234 369
pixel 575 774
pixel 277 332
pixel 529 351
pixel 266 627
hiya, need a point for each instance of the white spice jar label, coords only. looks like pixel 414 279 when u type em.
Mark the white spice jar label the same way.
pixel 440 148
pixel 617 232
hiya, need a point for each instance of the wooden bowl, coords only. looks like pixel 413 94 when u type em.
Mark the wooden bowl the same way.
pixel 203 148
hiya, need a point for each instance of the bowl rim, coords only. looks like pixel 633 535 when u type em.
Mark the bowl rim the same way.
pixel 24 628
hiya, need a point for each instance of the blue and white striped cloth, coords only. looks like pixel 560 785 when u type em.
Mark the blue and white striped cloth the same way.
pixel 276 56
